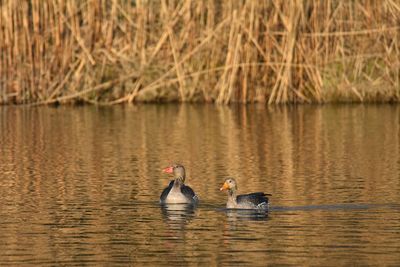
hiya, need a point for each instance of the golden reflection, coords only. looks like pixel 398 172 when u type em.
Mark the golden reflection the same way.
pixel 177 215
pixel 79 179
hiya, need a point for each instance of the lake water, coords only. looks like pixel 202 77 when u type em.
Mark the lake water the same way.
pixel 80 185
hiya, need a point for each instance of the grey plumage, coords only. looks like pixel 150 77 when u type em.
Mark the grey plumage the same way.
pixel 258 200
pixel 177 192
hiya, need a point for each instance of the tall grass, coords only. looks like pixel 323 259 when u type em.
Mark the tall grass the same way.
pixel 116 51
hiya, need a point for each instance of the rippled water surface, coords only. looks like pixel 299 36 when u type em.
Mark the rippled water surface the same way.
pixel 80 185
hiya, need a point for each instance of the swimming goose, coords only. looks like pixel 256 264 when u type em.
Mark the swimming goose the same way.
pixel 177 192
pixel 257 200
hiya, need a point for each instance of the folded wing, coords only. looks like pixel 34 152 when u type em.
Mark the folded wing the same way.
pixel 258 199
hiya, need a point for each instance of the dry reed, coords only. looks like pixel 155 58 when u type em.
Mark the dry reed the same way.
pixel 117 51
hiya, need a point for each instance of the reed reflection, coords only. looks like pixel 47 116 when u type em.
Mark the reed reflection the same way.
pixel 81 185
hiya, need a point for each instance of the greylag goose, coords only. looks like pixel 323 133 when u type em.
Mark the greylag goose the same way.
pixel 257 200
pixel 177 192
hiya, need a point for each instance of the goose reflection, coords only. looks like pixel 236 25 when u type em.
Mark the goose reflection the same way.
pixel 178 215
pixel 246 215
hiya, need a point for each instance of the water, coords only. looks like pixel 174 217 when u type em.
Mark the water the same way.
pixel 80 185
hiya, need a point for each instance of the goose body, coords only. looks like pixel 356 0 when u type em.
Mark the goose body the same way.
pixel 177 192
pixel 258 200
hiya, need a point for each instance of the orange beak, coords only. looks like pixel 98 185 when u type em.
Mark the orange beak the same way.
pixel 225 186
pixel 168 169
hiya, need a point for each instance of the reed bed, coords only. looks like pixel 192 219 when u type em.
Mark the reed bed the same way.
pixel 119 51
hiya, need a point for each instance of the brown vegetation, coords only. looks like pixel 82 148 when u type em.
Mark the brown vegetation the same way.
pixel 116 51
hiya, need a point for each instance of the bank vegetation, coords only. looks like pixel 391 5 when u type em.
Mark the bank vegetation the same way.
pixel 118 51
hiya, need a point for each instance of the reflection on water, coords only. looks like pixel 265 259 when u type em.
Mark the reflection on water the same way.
pixel 251 215
pixel 80 185
pixel 177 215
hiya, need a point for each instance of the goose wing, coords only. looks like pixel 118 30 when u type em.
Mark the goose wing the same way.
pixel 189 193
pixel 253 198
pixel 166 191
